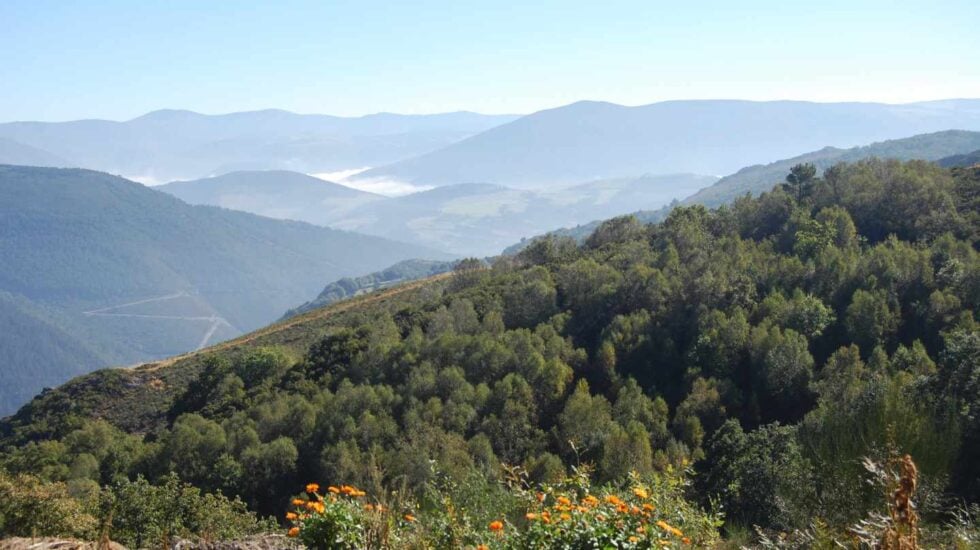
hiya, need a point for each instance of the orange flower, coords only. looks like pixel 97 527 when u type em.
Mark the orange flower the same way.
pixel 686 540
pixel 293 532
pixel 565 516
pixel 634 539
pixel 333 490
pixel 613 499
pixel 540 497
pixel 291 516
pixel 319 507
pixel 530 516
pixel 482 547
pixel 298 502
pixel 648 507
pixel 590 500
pixel 312 488
pixel 409 518
pixel 496 526
pixel 564 501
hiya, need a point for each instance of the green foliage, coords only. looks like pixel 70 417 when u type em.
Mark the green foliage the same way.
pixel 772 344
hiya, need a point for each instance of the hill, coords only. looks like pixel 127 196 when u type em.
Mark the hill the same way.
pixel 348 287
pixel 590 140
pixel 766 349
pixel 482 219
pixel 964 160
pixel 12 152
pixel 151 276
pixel 274 194
pixel 759 178
pixel 168 145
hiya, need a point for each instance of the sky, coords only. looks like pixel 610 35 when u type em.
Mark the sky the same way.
pixel 65 60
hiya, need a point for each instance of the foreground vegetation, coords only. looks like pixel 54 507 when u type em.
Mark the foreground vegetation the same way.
pixel 772 350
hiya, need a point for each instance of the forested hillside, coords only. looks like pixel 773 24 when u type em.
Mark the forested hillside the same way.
pixel 756 179
pixel 767 346
pixel 110 265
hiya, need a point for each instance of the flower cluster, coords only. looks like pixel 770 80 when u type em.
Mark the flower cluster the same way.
pixel 609 520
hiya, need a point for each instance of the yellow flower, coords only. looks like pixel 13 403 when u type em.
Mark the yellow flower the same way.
pixel 293 532
pixel 640 492
pixel 634 539
pixel 565 516
pixel 312 488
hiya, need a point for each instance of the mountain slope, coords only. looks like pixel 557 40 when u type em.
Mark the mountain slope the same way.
pixel 170 144
pixel 12 152
pixel 482 219
pixel 752 343
pixel 273 193
pixel 157 276
pixel 962 160
pixel 589 140
pixel 759 178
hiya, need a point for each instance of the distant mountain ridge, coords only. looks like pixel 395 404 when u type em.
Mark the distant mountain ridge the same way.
pixel 167 145
pixel 469 219
pixel 759 178
pixel 136 274
pixel 595 140
pixel 273 193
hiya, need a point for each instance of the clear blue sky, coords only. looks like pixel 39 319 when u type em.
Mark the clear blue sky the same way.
pixel 63 60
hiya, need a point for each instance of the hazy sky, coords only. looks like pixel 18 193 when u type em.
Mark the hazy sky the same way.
pixel 113 59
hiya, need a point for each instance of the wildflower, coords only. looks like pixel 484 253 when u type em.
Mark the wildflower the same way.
pixel 640 492
pixel 565 516
pixel 482 547
pixel 686 540
pixel 634 539
pixel 410 518
pixel 564 501
pixel 530 516
pixel 590 500
pixel 613 499
pixel 312 488
pixel 293 532
pixel 496 526
pixel 333 490
pixel 298 502
pixel 648 507
pixel 291 516
pixel 319 507
pixel 669 528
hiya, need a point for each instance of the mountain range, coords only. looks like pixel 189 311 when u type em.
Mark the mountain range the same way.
pixel 100 270
pixel 759 178
pixel 172 144
pixel 465 219
pixel 593 140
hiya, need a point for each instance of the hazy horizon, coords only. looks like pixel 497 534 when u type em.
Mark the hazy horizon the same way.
pixel 119 60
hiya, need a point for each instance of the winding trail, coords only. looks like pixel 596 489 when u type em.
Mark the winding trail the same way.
pixel 216 321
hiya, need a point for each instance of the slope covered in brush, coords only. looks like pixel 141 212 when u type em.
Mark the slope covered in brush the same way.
pixel 144 275
pixel 772 343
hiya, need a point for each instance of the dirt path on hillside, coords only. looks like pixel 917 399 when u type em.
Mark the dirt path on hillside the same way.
pixel 321 313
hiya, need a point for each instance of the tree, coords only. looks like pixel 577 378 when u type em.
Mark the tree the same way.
pixel 799 179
